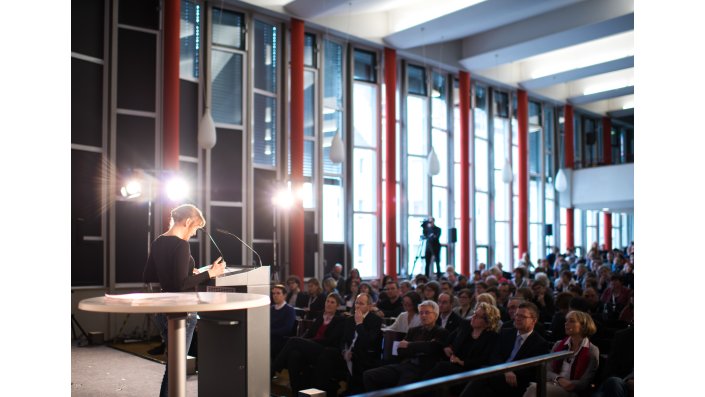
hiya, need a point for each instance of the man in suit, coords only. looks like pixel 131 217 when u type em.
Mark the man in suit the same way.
pixel 361 350
pixel 514 344
pixel 447 318
pixel 420 350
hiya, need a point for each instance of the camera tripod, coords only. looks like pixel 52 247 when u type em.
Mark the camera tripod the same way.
pixel 421 254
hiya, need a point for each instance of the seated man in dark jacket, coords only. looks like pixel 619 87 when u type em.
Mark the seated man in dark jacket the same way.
pixel 300 353
pixel 514 344
pixel 420 350
pixel 361 350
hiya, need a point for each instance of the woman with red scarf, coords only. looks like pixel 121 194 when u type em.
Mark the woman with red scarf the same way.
pixel 571 376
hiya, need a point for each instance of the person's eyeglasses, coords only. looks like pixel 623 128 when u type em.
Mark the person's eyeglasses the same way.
pixel 522 316
pixel 426 312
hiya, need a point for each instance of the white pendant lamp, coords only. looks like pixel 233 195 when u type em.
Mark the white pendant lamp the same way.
pixel 206 131
pixel 507 173
pixel 561 181
pixel 337 149
pixel 434 166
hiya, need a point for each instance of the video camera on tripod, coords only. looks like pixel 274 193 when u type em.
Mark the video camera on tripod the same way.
pixel 427 229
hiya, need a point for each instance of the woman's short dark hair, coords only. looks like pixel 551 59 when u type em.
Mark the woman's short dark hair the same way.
pixel 415 299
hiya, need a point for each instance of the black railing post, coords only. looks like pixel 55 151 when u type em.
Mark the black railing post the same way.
pixel 541 380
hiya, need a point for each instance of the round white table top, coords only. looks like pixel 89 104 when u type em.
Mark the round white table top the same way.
pixel 173 302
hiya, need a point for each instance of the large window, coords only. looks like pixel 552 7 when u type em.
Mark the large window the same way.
pixel 481 168
pixel 364 164
pixel 333 193
pixel 502 191
pixel 440 144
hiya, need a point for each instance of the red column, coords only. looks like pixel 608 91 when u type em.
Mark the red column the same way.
pixel 296 231
pixel 464 92
pixel 606 141
pixel 390 88
pixel 569 163
pixel 607 216
pixel 170 113
pixel 522 171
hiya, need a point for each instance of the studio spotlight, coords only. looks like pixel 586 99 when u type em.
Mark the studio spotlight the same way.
pixel 283 199
pixel 132 189
pixel 176 189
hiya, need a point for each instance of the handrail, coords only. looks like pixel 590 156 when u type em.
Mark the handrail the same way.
pixel 443 383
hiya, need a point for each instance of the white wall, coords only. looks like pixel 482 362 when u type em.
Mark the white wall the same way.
pixel 597 188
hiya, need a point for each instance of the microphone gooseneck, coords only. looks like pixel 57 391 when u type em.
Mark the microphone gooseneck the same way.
pixel 243 243
pixel 216 245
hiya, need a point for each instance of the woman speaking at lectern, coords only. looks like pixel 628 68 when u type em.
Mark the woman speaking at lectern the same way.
pixel 170 263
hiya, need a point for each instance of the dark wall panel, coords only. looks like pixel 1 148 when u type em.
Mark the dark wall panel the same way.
pixel 137 70
pixel 226 166
pixel 86 263
pixel 86 184
pixel 135 143
pixel 86 103
pixel 188 118
pixel 140 13
pixel 230 219
pixel 130 241
pixel 87 36
pixel 266 252
pixel 263 210
pixel 333 253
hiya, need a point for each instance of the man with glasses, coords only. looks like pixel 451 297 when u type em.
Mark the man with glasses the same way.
pixel 420 350
pixel 514 344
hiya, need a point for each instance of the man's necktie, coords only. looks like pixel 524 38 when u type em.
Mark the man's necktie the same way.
pixel 517 345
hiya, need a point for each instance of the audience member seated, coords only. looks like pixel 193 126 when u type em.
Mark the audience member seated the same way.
pixel 471 344
pixel 336 273
pixel 282 320
pixel 615 297
pixel 351 296
pixel 461 284
pixel 514 344
pixel 295 297
pixel 447 318
pixel 558 321
pixel 409 317
pixel 330 286
pixel 300 353
pixel 564 281
pixel 464 310
pixel 404 287
pixel 316 299
pixel 366 288
pixel 431 290
pixel 420 350
pixel 391 303
pixel 619 372
pixel 543 299
pixel 520 279
pixel 361 350
pixel 571 377
pixel 354 274
pixel 595 307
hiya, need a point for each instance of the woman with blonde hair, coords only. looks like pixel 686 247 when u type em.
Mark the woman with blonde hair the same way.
pixel 170 263
pixel 472 343
pixel 571 376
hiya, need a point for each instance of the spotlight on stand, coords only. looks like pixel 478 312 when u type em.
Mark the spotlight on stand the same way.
pixel 132 189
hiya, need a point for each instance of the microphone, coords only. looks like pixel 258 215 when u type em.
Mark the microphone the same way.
pixel 216 245
pixel 243 243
